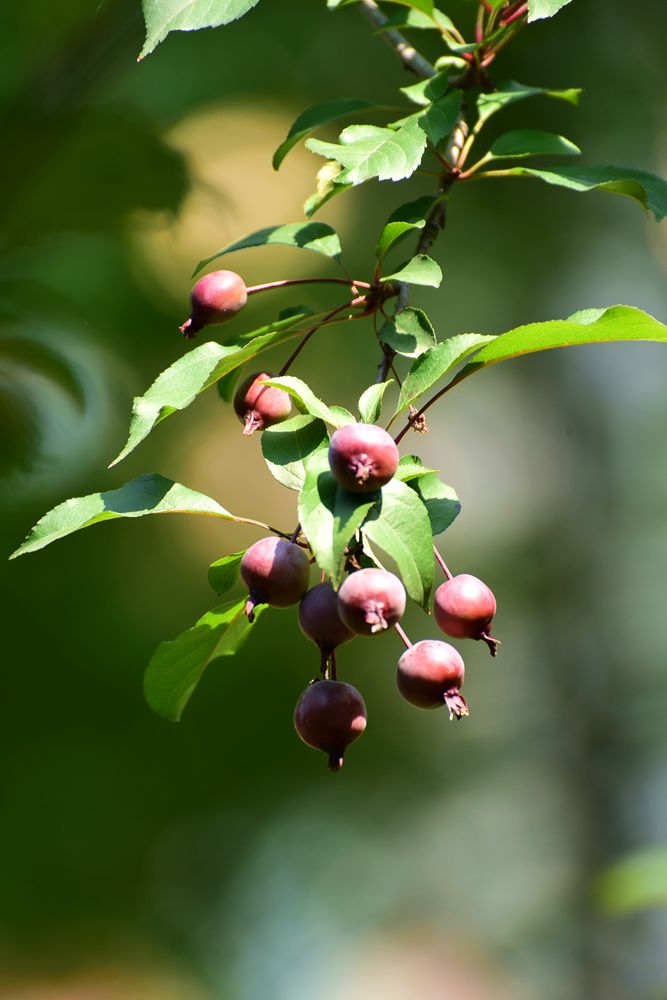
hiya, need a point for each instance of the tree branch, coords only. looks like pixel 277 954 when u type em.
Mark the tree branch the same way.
pixel 408 55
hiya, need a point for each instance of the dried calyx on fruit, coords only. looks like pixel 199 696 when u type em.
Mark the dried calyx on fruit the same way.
pixel 363 457
pixel 329 715
pixel 430 674
pixel 464 607
pixel 259 406
pixel 216 297
pixel 371 600
pixel 320 622
pixel 276 572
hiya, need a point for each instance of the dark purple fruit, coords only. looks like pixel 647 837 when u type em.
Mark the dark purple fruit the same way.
pixel 329 715
pixel 363 457
pixel 371 600
pixel 319 619
pixel 276 572
pixel 259 406
pixel 464 607
pixel 215 298
pixel 430 674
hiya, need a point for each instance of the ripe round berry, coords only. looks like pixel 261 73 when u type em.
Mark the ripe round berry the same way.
pixel 215 298
pixel 276 572
pixel 259 406
pixel 319 619
pixel 363 457
pixel 329 715
pixel 371 600
pixel 464 607
pixel 430 674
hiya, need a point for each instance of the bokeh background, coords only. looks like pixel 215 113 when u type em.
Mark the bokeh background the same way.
pixel 218 858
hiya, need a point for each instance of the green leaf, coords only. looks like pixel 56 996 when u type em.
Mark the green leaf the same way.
pixel 163 16
pixel 538 9
pixel 408 332
pixel 402 221
pixel 314 117
pixel 317 236
pixel 425 91
pixel 370 402
pixel 227 384
pixel 148 494
pixel 431 366
pixel 288 446
pixel 636 883
pixel 400 527
pixel 176 666
pixel 510 92
pixel 421 270
pixel 647 189
pixel 223 573
pixel 180 384
pixel 368 151
pixel 327 187
pixel 532 142
pixel 441 116
pixel 590 326
pixel 343 416
pixel 411 467
pixel 306 399
pixel 441 502
pixel 330 516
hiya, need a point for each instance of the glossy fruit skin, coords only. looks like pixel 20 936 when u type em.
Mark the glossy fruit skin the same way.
pixel 464 606
pixel 371 600
pixel 363 457
pixel 276 572
pixel 319 619
pixel 430 674
pixel 216 297
pixel 329 716
pixel 260 406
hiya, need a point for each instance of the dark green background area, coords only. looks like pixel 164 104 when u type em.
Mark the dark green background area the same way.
pixel 221 848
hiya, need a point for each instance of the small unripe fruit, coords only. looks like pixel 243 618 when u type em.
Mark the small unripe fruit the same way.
pixel 464 607
pixel 259 406
pixel 430 674
pixel 371 600
pixel 329 715
pixel 319 619
pixel 363 457
pixel 276 572
pixel 216 297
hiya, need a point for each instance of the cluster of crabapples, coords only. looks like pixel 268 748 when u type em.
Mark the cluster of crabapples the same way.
pixel 363 458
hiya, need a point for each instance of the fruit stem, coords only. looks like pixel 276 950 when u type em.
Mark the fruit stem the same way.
pixel 332 666
pixel 288 282
pixel 442 564
pixel 404 639
pixel 309 333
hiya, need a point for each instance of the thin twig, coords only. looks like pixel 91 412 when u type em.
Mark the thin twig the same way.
pixel 287 282
pixel 309 333
pixel 408 55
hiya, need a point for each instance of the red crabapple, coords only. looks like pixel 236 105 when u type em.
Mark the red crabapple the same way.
pixel 464 607
pixel 430 674
pixel 319 619
pixel 371 600
pixel 363 457
pixel 276 572
pixel 216 297
pixel 329 715
pixel 259 406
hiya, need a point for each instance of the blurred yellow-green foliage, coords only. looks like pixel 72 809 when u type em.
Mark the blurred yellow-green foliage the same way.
pixel 218 858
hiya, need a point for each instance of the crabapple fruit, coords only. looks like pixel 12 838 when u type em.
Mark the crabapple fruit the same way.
pixel 464 607
pixel 276 572
pixel 363 457
pixel 371 600
pixel 216 297
pixel 329 715
pixel 259 406
pixel 430 674
pixel 319 619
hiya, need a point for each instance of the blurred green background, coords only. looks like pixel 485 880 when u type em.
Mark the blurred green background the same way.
pixel 218 858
